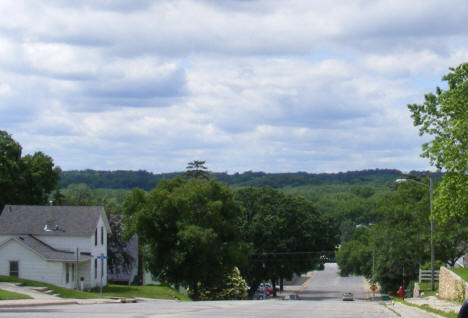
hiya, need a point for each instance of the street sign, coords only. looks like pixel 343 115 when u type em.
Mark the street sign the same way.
pixel 373 288
pixel 102 257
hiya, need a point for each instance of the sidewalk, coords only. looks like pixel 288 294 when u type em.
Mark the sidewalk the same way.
pixel 436 303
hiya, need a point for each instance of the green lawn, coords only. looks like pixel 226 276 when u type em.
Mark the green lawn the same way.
pixel 6 295
pixel 426 287
pixel 148 291
pixel 462 272
pixel 157 292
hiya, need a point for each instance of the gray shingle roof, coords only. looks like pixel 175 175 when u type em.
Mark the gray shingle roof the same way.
pixel 51 220
pixel 47 251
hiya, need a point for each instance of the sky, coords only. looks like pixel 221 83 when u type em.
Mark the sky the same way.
pixel 267 85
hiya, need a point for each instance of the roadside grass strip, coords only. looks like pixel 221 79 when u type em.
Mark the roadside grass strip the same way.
pixel 428 309
pixel 7 295
pixel 111 290
pixel 146 291
pixel 62 292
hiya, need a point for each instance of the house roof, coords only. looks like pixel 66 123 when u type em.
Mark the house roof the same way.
pixel 51 220
pixel 46 251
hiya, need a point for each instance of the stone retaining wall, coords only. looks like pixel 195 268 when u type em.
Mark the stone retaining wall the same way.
pixel 452 286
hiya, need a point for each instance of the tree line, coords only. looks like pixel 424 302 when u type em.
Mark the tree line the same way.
pixel 124 179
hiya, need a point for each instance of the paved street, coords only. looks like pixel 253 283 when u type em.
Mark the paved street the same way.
pixel 328 285
pixel 321 293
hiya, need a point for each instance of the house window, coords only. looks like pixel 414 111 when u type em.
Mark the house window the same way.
pixel 102 235
pixel 95 268
pixel 73 272
pixel 14 268
pixel 95 237
pixel 67 273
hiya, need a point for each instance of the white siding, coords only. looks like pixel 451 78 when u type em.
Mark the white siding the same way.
pixel 67 243
pixel 4 238
pixel 31 265
pixel 96 250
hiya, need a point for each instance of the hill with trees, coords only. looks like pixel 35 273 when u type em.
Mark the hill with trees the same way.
pixel 127 179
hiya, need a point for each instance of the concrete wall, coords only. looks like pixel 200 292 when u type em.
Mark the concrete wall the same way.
pixel 452 286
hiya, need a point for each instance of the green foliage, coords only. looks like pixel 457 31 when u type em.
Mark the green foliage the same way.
pixel 444 115
pixel 232 287
pixel 286 234
pixel 197 169
pixel 24 180
pixel 355 255
pixel 451 198
pixel 401 239
pixel 377 179
pixel 188 231
pixel 111 200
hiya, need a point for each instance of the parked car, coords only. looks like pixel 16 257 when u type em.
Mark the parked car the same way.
pixel 292 297
pixel 348 297
pixel 259 295
pixel 265 287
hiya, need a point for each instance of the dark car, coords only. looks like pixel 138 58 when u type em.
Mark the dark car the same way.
pixel 348 297
pixel 259 295
pixel 292 297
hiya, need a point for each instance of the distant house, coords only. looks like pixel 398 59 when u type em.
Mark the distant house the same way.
pixel 60 245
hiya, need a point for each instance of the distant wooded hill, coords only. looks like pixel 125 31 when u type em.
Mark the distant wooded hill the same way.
pixel 123 179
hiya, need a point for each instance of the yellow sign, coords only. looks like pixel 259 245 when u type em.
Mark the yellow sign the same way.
pixel 373 288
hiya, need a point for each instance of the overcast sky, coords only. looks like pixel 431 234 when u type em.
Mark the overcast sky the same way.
pixel 274 85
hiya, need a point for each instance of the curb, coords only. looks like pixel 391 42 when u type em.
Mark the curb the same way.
pixel 37 304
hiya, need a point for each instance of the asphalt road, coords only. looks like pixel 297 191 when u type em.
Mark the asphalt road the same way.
pixel 322 294
pixel 328 285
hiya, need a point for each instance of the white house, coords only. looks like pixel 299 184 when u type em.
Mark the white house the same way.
pixel 60 245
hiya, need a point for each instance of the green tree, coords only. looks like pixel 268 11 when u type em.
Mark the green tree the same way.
pixel 287 235
pixel 81 194
pixel 24 180
pixel 197 169
pixel 355 255
pixel 444 115
pixel 188 231
pixel 233 286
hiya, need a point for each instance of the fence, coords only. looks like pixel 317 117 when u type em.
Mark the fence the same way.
pixel 426 275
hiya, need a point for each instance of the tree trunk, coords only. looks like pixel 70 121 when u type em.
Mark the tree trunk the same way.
pixel 273 282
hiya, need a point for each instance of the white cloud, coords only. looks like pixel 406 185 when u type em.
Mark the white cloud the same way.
pixel 246 85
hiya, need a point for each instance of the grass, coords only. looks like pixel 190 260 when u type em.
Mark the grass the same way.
pixel 462 272
pixel 150 291
pixel 7 295
pixel 426 288
pixel 147 291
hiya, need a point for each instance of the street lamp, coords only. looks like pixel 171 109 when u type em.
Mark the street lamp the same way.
pixel 431 188
pixel 373 248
